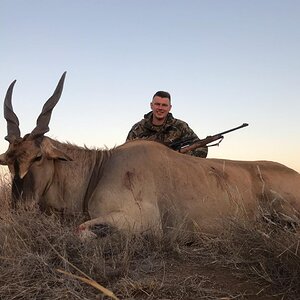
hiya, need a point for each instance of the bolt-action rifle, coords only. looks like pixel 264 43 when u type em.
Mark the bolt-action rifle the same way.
pixel 189 144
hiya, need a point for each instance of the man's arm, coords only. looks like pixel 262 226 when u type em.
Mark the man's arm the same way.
pixel 131 135
pixel 188 133
pixel 137 131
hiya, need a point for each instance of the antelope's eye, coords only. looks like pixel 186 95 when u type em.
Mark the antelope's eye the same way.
pixel 38 158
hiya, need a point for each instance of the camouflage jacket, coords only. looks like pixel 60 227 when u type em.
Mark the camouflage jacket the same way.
pixel 172 130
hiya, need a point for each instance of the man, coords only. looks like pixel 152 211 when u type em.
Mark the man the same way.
pixel 161 126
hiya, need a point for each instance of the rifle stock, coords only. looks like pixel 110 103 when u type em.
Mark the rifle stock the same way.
pixel 209 139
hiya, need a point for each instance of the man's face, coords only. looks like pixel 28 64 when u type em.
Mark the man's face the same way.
pixel 160 108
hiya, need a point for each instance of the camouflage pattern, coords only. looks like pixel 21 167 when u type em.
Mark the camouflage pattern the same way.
pixel 172 130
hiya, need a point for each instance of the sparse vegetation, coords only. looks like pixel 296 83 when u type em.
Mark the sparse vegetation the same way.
pixel 41 254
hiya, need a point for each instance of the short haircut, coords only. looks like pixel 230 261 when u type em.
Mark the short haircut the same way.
pixel 162 94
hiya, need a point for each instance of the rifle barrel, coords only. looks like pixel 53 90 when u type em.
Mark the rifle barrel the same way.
pixel 236 128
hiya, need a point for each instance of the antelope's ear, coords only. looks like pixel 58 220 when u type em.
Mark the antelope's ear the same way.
pixel 3 159
pixel 55 153
pixel 51 152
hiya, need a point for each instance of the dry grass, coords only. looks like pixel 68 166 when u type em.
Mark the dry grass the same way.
pixel 41 257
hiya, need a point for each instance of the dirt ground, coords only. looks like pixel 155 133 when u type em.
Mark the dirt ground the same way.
pixel 190 276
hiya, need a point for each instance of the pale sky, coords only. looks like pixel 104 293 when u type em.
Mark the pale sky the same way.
pixel 225 62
